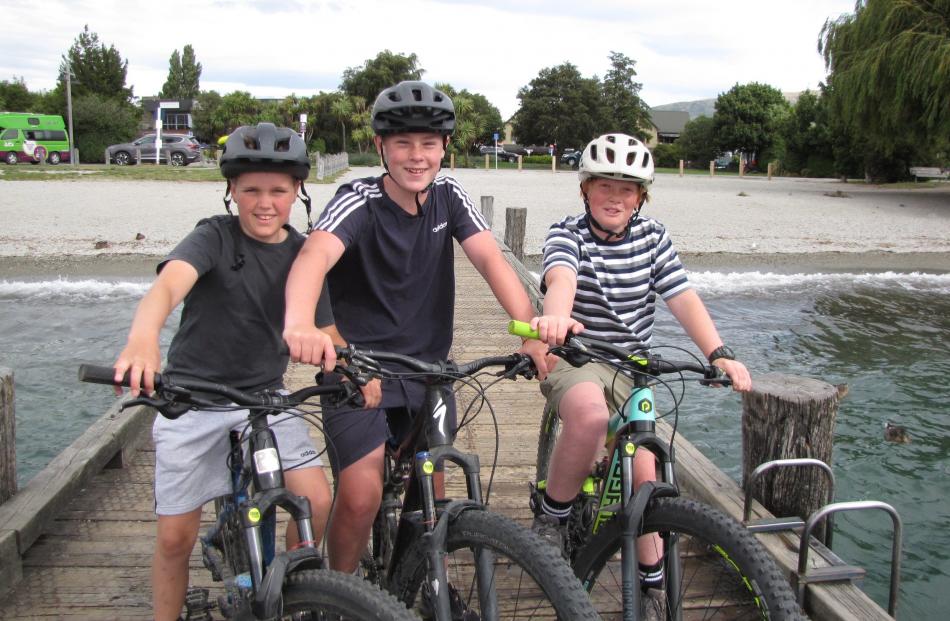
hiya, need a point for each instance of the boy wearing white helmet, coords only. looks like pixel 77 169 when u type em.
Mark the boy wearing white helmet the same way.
pixel 601 273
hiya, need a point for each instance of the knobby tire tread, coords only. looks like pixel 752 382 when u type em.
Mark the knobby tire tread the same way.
pixel 500 534
pixel 692 518
pixel 345 595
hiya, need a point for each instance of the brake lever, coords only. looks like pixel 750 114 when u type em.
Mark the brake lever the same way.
pixel 524 367
pixel 167 408
pixel 715 377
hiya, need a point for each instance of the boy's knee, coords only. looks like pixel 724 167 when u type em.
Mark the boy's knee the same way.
pixel 175 541
pixel 358 503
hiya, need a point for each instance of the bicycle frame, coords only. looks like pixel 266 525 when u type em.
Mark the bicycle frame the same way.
pixel 419 516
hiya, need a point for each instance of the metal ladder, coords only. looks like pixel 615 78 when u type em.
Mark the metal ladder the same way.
pixel 837 570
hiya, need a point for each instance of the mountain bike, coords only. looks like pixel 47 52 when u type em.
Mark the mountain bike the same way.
pixel 713 566
pixel 453 558
pixel 239 547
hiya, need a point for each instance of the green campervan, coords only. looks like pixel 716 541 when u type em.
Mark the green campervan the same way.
pixel 34 138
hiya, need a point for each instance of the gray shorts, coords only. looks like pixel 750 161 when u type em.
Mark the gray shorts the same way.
pixel 616 386
pixel 191 455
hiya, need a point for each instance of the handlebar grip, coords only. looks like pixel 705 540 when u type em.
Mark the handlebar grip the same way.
pixel 98 374
pixel 522 329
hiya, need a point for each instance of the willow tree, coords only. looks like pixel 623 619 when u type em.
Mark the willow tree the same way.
pixel 889 72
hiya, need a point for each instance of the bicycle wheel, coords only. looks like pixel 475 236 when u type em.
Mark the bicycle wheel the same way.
pixel 547 438
pixel 529 578
pixel 726 573
pixel 232 543
pixel 326 594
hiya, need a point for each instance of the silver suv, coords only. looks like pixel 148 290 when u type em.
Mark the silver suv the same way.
pixel 182 150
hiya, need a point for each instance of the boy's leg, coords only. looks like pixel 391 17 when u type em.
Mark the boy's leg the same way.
pixel 583 412
pixel 312 483
pixel 174 541
pixel 358 496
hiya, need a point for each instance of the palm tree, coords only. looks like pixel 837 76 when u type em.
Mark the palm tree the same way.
pixel 342 109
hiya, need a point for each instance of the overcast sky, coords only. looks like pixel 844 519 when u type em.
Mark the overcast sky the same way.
pixel 684 49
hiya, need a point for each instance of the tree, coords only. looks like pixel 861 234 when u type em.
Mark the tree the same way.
pixel 476 120
pixel 14 95
pixel 747 118
pixel 342 109
pixel 698 143
pixel 237 109
pixel 184 75
pixel 562 107
pixel 204 117
pixel 99 121
pixel 96 69
pixel 626 111
pixel 807 136
pixel 889 77
pixel 378 73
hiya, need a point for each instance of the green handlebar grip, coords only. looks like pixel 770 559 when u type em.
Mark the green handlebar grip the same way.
pixel 522 329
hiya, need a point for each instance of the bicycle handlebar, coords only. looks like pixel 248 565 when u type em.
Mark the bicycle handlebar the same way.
pixel 366 362
pixel 177 391
pixel 579 350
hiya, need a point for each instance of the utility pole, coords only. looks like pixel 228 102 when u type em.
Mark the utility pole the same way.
pixel 69 112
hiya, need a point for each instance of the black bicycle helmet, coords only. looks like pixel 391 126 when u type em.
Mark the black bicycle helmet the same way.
pixel 265 148
pixel 413 106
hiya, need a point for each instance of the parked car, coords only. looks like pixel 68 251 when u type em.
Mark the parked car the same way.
pixel 182 150
pixel 571 157
pixel 487 149
pixel 723 161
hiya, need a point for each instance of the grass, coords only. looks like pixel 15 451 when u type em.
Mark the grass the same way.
pixel 140 172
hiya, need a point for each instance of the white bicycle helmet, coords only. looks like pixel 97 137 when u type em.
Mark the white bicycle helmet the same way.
pixel 617 156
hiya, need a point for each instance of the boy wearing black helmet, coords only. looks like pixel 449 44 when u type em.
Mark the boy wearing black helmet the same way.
pixel 231 272
pixel 389 242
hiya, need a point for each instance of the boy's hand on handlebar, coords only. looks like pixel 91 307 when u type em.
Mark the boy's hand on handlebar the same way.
pixel 142 360
pixel 538 351
pixel 741 380
pixel 310 345
pixel 372 393
pixel 553 329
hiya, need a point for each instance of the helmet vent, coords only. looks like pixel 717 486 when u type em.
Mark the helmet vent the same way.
pixel 593 152
pixel 611 139
pixel 646 159
pixel 250 141
pixel 417 94
pixel 610 155
pixel 630 157
pixel 282 145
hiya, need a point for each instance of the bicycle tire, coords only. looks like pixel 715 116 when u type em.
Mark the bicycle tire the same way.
pixel 330 594
pixel 726 573
pixel 547 438
pixel 531 578
pixel 232 541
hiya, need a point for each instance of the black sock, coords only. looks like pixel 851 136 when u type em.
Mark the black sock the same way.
pixel 651 576
pixel 560 510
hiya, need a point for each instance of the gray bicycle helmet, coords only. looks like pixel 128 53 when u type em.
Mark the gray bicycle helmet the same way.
pixel 413 106
pixel 265 148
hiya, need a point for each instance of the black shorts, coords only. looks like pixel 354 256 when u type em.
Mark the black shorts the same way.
pixel 352 434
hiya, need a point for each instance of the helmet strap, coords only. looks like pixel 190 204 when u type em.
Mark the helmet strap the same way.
pixel 227 198
pixel 305 198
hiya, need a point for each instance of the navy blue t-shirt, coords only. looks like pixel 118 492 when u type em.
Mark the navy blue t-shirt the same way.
pixel 393 288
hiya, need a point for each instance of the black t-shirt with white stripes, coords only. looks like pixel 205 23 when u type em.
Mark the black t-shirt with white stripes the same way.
pixel 393 288
pixel 617 281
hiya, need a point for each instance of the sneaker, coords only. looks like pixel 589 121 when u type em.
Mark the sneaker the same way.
pixel 550 529
pixel 653 605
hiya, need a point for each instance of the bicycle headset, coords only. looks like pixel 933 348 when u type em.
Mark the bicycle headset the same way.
pixel 263 148
pixel 413 106
pixel 616 156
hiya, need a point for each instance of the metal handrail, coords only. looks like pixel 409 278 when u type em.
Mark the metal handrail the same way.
pixel 783 463
pixel 827 510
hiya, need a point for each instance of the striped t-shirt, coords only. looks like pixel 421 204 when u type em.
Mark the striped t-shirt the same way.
pixel 617 281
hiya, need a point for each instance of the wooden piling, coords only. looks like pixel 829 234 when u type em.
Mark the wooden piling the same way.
pixel 488 209
pixel 712 168
pixel 7 436
pixel 681 168
pixel 787 417
pixel 515 220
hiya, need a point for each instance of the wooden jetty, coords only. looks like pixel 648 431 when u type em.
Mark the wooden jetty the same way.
pixel 76 542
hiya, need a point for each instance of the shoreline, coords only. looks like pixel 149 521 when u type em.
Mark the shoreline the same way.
pixel 111 265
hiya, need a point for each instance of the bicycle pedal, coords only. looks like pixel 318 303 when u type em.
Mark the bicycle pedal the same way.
pixel 196 605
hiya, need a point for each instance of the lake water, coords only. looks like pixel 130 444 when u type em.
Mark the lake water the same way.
pixel 886 335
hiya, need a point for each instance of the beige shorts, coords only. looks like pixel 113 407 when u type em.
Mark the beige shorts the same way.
pixel 616 386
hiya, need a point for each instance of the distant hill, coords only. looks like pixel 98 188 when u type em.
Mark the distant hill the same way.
pixel 707 107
